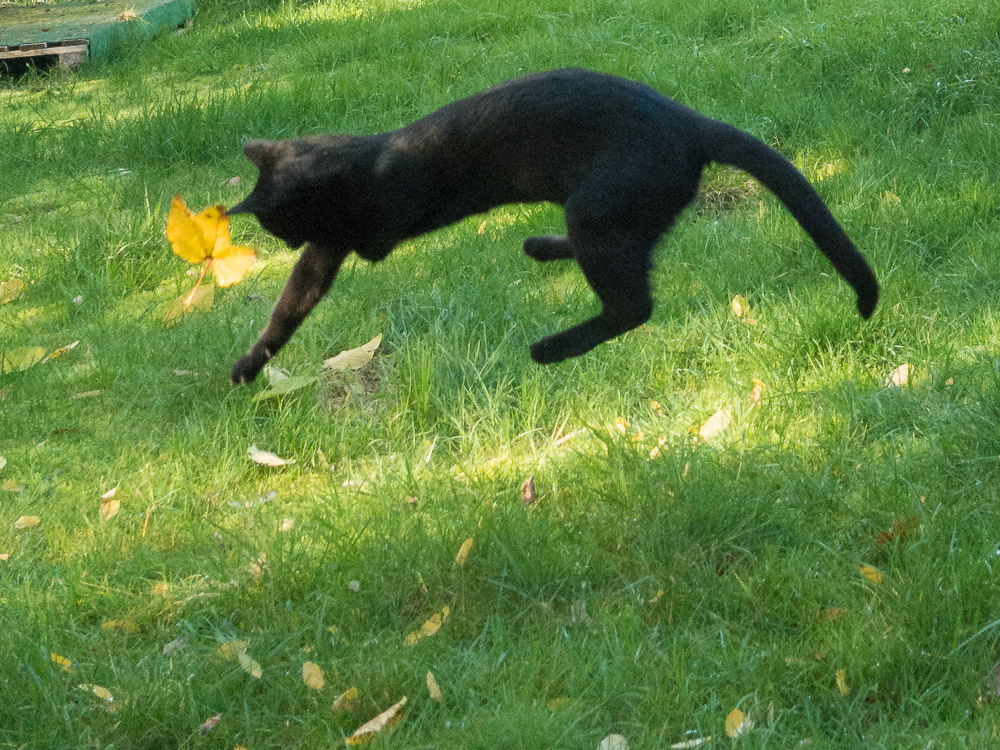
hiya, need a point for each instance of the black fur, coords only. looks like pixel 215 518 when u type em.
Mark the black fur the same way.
pixel 621 158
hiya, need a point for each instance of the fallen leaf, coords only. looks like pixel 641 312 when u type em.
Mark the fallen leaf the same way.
pixel 103 693
pixel 737 723
pixel 900 376
pixel 209 724
pixel 872 574
pixel 11 290
pixel 528 495
pixel 433 689
pixel 757 392
pixel 3 462
pixel 286 385
pixel 346 701
pixel 900 528
pixel 429 628
pixel 558 704
pixel 578 613
pixel 656 596
pixel 199 299
pixel 740 306
pixel 62 661
pixel 160 589
pixel 690 743
pixel 621 425
pixel 352 359
pixel 177 644
pixel 4 556
pixel 109 504
pixel 204 238
pixel 56 353
pixel 266 458
pixel 715 424
pixel 832 613
pixel 230 649
pixel 312 676
pixel 287 524
pixel 463 552
pixel 26 522
pixel 20 358
pixel 366 732
pixel 613 742
pixel 842 682
pixel 249 666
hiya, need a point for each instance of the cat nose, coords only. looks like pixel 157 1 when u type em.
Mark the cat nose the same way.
pixel 243 207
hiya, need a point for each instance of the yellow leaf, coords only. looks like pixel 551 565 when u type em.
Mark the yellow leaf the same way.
pixel 204 238
pixel 103 693
pixel 842 682
pixel 266 458
pixel 870 573
pixel 230 264
pixel 656 597
pixel 366 733
pixel 346 701
pixel 621 425
pixel 109 504
pixel 11 290
pixel 26 522
pixel 737 723
pixel 900 376
pixel 20 358
pixel 429 628
pixel 62 661
pixel 740 306
pixel 230 649
pixel 312 676
pixel 463 552
pixel 160 589
pixel 613 742
pixel 758 391
pixel 4 556
pixel 56 353
pixel 250 666
pixel 891 198
pixel 199 299
pixel 433 689
pixel 715 424
pixel 352 359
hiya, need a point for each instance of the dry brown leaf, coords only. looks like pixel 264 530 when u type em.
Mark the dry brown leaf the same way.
pixel 715 424
pixel 433 689
pixel 430 627
pixel 312 676
pixel 109 504
pixel 26 522
pixel 266 458
pixel 346 701
pixel 352 359
pixel 528 494
pixel 209 724
pixel 366 732
pixel 872 574
pixel 463 552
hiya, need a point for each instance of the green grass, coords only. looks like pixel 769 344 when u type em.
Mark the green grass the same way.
pixel 754 538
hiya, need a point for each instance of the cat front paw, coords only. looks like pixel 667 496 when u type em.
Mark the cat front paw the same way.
pixel 547 351
pixel 247 368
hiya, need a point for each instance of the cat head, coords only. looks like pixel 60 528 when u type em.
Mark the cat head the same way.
pixel 304 189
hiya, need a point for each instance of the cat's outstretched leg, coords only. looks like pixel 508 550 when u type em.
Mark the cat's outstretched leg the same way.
pixel 618 272
pixel 310 280
pixel 549 247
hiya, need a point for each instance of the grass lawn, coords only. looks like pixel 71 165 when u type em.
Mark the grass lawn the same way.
pixel 825 563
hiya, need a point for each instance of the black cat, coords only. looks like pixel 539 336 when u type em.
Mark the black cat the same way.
pixel 621 158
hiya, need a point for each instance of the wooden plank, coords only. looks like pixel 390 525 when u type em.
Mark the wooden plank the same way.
pixel 76 51
pixel 32 47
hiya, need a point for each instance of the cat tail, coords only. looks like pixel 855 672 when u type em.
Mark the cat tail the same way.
pixel 728 145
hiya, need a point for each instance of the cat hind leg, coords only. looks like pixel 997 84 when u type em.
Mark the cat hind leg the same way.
pixel 549 247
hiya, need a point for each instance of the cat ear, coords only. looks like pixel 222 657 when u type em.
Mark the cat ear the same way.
pixel 261 152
